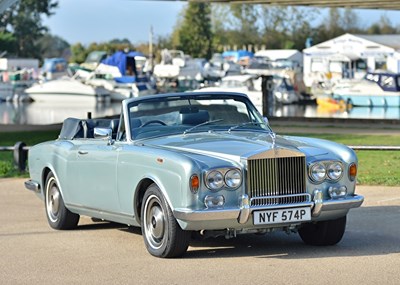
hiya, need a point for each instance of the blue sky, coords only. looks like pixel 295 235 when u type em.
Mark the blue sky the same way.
pixel 88 21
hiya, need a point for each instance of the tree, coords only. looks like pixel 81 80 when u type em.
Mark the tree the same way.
pixel 53 46
pixel 286 27
pixel 79 53
pixel 219 16
pixel 8 42
pixel 383 26
pixel 23 21
pixel 245 21
pixel 195 36
pixel 350 21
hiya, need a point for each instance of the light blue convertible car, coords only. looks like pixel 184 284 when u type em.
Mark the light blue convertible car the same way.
pixel 186 164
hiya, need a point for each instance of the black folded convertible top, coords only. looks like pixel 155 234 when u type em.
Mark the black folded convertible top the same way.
pixel 73 128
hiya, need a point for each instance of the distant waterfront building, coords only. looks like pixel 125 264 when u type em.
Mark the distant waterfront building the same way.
pixel 351 56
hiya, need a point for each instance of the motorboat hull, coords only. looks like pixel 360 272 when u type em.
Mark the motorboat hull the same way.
pixel 389 100
pixel 376 90
pixel 67 91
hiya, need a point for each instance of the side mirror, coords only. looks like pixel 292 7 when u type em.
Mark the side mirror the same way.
pixel 103 134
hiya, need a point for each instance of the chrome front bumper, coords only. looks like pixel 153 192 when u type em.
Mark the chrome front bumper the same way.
pixel 243 213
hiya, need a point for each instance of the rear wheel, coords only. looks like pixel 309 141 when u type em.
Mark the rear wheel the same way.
pixel 323 233
pixel 58 216
pixel 161 232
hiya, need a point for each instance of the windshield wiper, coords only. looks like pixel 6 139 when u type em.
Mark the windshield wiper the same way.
pixel 202 124
pixel 243 124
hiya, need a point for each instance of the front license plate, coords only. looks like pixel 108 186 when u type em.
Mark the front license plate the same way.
pixel 279 216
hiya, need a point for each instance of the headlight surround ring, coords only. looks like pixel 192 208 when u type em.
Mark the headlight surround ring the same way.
pixel 335 170
pixel 233 178
pixel 214 180
pixel 317 172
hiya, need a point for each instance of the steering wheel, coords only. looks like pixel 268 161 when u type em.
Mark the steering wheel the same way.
pixel 153 122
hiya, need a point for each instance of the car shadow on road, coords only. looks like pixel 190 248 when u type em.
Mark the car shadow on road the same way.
pixel 369 231
pixel 97 224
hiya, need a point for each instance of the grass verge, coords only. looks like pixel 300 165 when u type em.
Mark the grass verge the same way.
pixel 7 168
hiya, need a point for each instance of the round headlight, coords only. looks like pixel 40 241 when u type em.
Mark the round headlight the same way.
pixel 214 180
pixel 335 171
pixel 233 178
pixel 318 172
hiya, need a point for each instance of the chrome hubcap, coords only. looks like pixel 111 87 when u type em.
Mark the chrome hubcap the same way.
pixel 53 200
pixel 154 222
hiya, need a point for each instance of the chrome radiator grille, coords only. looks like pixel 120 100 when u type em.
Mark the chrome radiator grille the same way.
pixel 274 181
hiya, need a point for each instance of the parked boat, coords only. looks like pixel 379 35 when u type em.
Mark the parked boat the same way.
pixel 283 91
pixel 330 104
pixel 124 74
pixel 67 89
pixel 54 68
pixel 119 86
pixel 377 89
pixel 171 63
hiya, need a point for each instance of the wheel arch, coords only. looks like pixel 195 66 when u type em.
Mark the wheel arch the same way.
pixel 139 194
pixel 141 189
pixel 45 172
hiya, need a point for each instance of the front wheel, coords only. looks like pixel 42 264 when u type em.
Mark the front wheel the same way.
pixel 58 216
pixel 323 233
pixel 161 232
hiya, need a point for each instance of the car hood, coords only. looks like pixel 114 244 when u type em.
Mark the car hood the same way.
pixel 234 145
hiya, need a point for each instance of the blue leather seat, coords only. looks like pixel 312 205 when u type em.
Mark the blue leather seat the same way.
pixel 195 118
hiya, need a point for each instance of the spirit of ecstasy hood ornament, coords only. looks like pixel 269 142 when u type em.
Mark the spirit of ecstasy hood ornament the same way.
pixel 273 137
pixel 271 132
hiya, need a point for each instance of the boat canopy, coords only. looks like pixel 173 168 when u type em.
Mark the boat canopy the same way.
pixel 54 65
pixel 235 56
pixel 124 61
pixel 386 80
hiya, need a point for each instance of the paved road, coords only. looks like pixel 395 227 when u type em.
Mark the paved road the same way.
pixel 106 253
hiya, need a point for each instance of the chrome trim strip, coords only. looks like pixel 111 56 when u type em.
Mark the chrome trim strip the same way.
pixel 84 208
pixel 32 185
pixel 282 206
pixel 281 200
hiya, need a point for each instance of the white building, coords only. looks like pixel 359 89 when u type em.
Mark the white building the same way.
pixel 282 55
pixel 350 56
pixel 13 64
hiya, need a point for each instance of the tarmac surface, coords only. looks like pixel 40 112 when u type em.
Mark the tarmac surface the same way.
pixel 107 253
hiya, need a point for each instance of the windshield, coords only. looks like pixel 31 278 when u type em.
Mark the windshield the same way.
pixel 185 115
pixel 95 57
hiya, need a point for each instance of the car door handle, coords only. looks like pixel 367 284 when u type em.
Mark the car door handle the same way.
pixel 82 152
